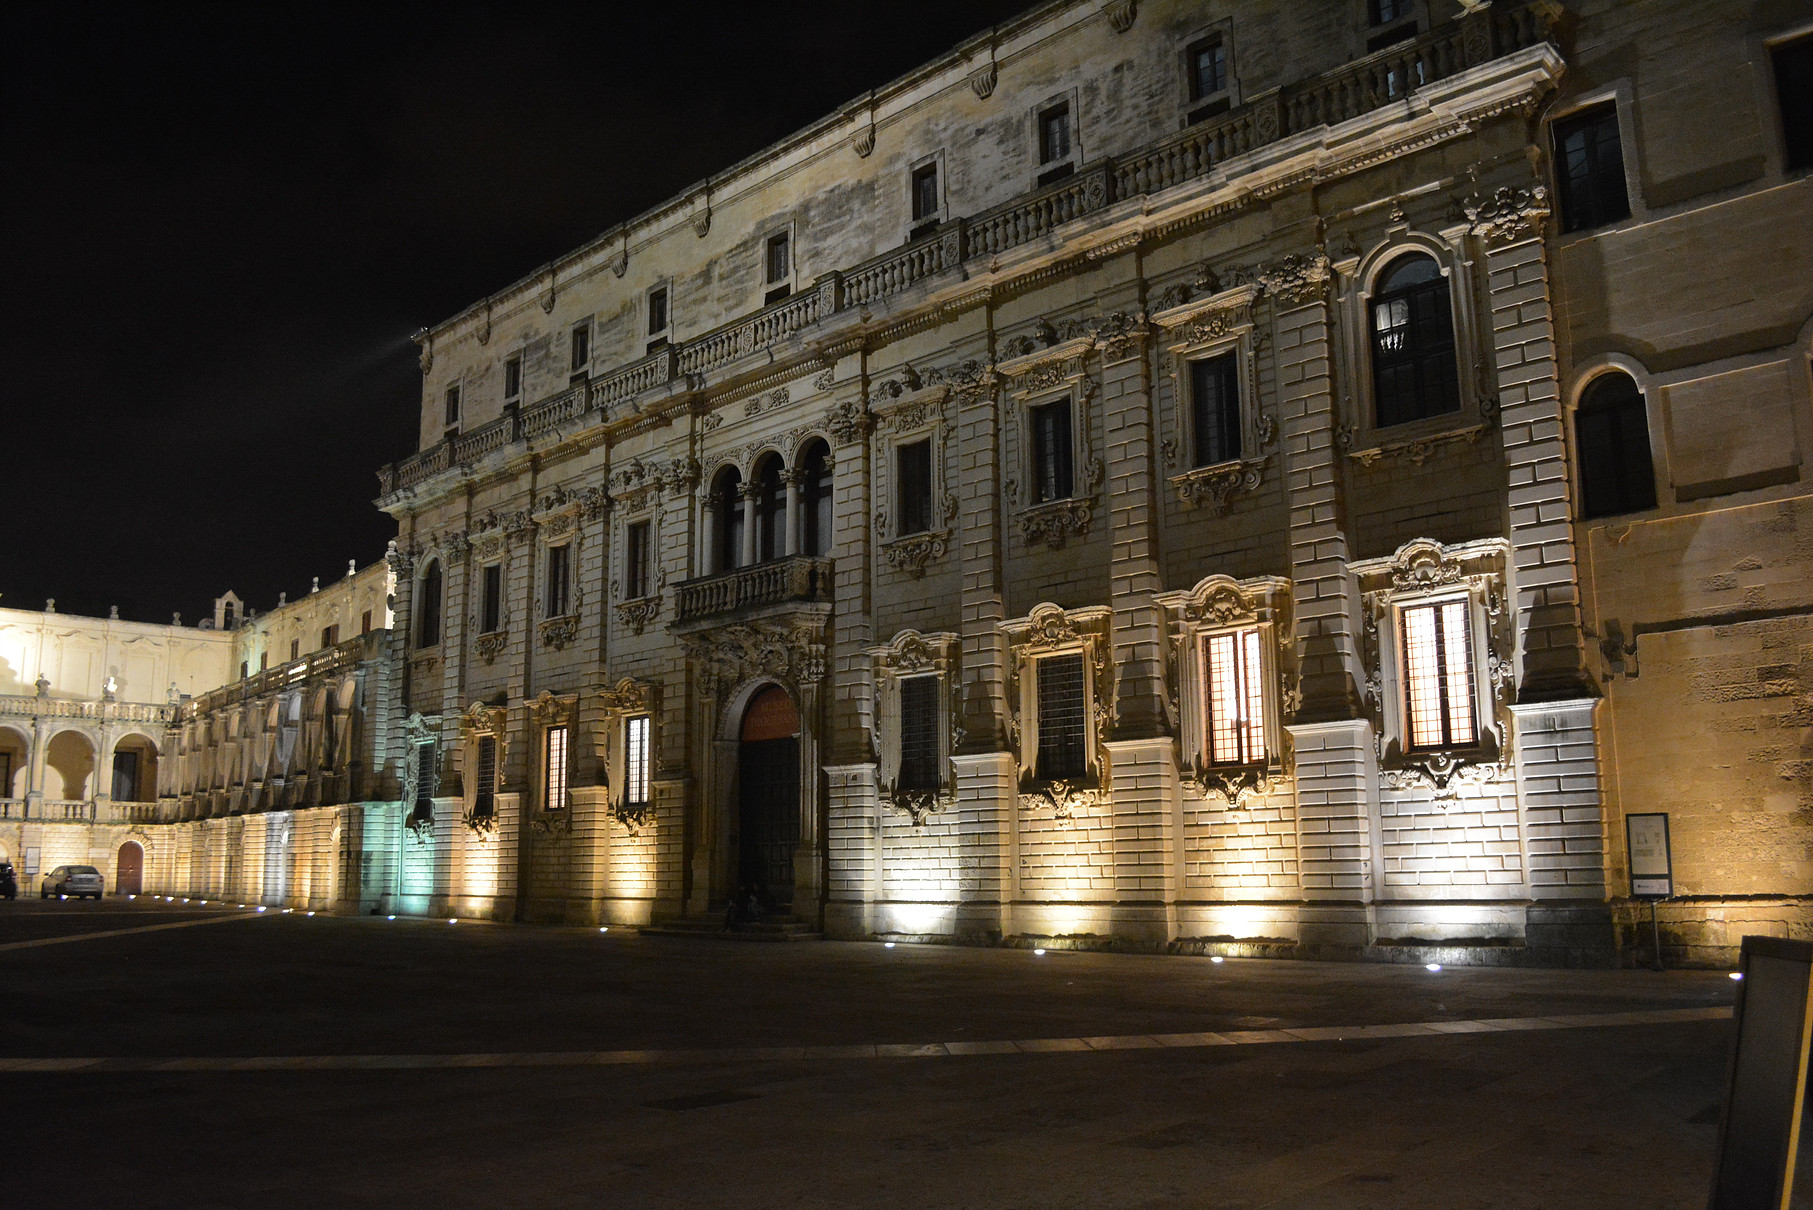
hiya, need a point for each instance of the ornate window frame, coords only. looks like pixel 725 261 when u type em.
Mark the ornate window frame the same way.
pixel 912 654
pixel 548 713
pixel 630 698
pixel 1413 441
pixel 1421 572
pixel 481 721
pixel 1059 372
pixel 1210 327
pixel 559 521
pixel 1047 631
pixel 1218 604
pixel 637 612
pixel 917 410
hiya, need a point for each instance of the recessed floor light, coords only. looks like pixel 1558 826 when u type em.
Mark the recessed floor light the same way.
pixel 1217 958
pixel 887 945
pixel 1433 966
pixel 1038 953
pixel 1738 975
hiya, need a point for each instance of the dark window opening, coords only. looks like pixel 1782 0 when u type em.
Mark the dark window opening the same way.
pixel 657 311
pixel 1589 167
pixel 453 406
pixel 1063 719
pixel 1383 12
pixel 1215 408
pixel 925 192
pixel 635 561
pixel 770 511
pixel 513 378
pixel 428 607
pixel 1793 63
pixel 915 497
pixel 1054 134
pixel 484 797
pixel 728 500
pixel 558 580
pixel 1611 428
pixel 919 733
pixel 776 295
pixel 365 622
pixel 1056 174
pixel 779 258
pixel 330 636
pixel 264 660
pixel 581 348
pixel 1208 69
pixel 245 669
pixel 295 649
pixel 491 600
pixel 1051 476
pixel 815 495
pixel 1413 371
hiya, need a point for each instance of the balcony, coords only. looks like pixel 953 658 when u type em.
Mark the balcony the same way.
pixel 753 591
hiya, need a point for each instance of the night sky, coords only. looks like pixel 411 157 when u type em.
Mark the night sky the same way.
pixel 221 222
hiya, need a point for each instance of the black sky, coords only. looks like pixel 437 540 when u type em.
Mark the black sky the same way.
pixel 221 222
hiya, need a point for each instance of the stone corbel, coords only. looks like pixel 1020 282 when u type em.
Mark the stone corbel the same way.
pixel 1418 450
pixel 1219 486
pixel 639 613
pixel 490 646
pixel 1121 14
pixel 1055 523
pixel 556 633
pixel 912 553
pixel 1507 215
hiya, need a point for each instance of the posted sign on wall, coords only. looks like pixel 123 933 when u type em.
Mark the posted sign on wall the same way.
pixel 1651 866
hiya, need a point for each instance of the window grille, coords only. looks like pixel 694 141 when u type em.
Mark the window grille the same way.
pixel 484 797
pixel 1589 162
pixel 1051 451
pixel 919 733
pixel 1234 690
pixel 1413 343
pixel 557 581
pixel 426 779
pixel 1438 674
pixel 635 761
pixel 554 769
pixel 1215 400
pixel 1063 718
pixel 915 465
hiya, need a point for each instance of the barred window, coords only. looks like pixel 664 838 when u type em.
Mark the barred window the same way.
pixel 554 769
pixel 557 581
pixel 1234 690
pixel 635 761
pixel 1063 718
pixel 1438 674
pixel 1215 409
pixel 425 776
pixel 484 781
pixel 919 733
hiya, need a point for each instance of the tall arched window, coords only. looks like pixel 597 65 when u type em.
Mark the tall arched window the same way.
pixel 1611 429
pixel 815 498
pixel 428 606
pixel 770 510
pixel 727 500
pixel 1413 373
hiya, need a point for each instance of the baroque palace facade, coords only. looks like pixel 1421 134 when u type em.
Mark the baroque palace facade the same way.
pixel 1182 474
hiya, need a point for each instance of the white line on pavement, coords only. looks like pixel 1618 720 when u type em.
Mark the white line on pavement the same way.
pixel 143 928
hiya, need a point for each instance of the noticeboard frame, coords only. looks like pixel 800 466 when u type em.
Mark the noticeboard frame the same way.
pixel 1765 1095
pixel 1649 883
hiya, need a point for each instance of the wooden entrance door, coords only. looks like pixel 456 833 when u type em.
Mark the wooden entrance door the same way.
pixel 768 798
pixel 129 874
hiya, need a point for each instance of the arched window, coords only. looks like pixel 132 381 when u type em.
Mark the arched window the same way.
pixel 428 606
pixel 1611 428
pixel 1413 373
pixel 815 498
pixel 727 499
pixel 770 510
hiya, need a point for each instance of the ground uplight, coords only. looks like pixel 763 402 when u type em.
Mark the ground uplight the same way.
pixel 1038 953
pixel 887 945
pixel 1738 975
pixel 1433 966
pixel 1217 958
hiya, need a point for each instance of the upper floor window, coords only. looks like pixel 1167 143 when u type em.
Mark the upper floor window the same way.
pixel 925 194
pixel 491 600
pixel 1793 63
pixel 779 264
pixel 815 497
pixel 1413 368
pixel 559 580
pixel 513 377
pixel 914 462
pixel 1054 134
pixel 452 410
pixel 770 510
pixel 484 780
pixel 1063 724
pixel 554 768
pixel 1611 429
pixel 727 504
pixel 1233 672
pixel 1384 12
pixel 330 636
pixel 1208 69
pixel 1215 408
pixel 635 560
pixel 1051 448
pixel 920 754
pixel 428 606
pixel 1589 167
pixel 635 761
pixel 658 319
pixel 295 649
pixel 1436 639
pixel 580 349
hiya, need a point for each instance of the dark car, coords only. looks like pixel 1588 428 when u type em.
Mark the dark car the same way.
pixel 9 882
pixel 72 881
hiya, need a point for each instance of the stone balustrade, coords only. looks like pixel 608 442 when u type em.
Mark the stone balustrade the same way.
pixel 801 578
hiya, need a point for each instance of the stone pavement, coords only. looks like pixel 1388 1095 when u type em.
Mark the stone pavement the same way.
pixel 281 1060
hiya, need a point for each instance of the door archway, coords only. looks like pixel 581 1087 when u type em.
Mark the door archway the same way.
pixel 768 797
pixel 129 869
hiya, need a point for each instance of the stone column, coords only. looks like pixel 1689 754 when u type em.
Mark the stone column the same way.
pixel 792 538
pixel 752 495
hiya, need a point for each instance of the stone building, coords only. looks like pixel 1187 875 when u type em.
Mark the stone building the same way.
pixel 1193 474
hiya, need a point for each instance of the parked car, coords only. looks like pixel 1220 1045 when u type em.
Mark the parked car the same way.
pixel 9 882
pixel 76 881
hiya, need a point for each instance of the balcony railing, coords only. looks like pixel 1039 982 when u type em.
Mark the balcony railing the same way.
pixel 1383 78
pixel 795 580
pixel 25 705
